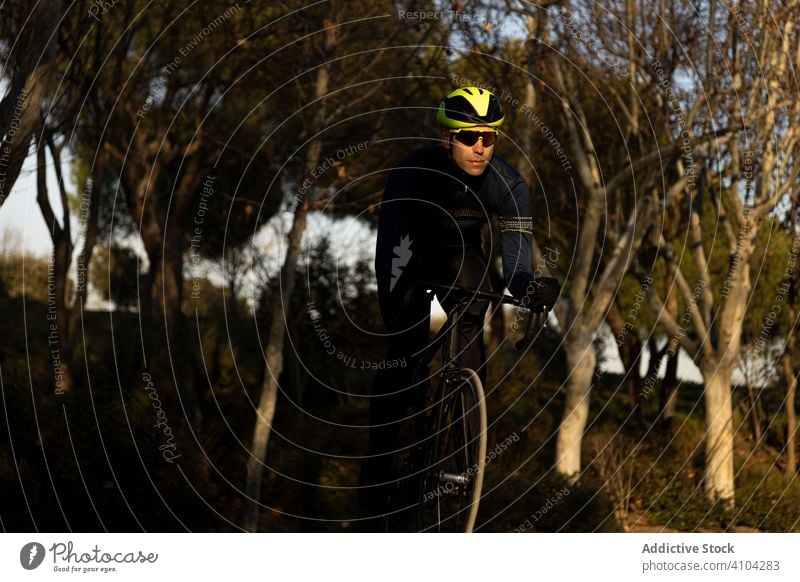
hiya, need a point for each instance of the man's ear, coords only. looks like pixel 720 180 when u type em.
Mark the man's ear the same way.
pixel 446 139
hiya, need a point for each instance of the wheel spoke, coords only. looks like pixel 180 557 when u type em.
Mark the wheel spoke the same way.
pixel 454 462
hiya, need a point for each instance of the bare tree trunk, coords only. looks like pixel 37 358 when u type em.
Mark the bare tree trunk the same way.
pixel 94 184
pixel 719 435
pixel 629 346
pixel 162 228
pixel 581 359
pixel 669 386
pixel 138 185
pixel 526 129
pixel 274 366
pixel 791 429
pixel 791 417
pixel 60 350
pixel 754 413
pixel 169 294
pixel 274 350
pixel 634 355
pixel 580 322
pixel 788 355
pixel 64 319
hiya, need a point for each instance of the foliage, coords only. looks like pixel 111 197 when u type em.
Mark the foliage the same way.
pixel 116 274
pixel 23 274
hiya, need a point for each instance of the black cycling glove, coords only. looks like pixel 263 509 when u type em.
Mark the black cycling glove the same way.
pixel 541 291
pixel 545 291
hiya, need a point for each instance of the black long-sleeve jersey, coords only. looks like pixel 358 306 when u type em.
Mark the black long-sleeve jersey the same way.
pixel 430 208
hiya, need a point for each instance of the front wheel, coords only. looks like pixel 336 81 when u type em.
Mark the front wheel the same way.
pixel 455 458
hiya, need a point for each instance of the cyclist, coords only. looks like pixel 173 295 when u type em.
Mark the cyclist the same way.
pixel 433 208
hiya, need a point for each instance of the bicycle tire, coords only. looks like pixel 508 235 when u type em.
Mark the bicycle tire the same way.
pixel 452 478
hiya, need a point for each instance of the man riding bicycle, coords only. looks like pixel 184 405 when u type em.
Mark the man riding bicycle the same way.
pixel 432 212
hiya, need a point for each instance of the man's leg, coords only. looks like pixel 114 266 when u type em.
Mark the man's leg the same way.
pixel 392 395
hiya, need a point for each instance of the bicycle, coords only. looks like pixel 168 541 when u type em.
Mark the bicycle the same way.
pixel 439 460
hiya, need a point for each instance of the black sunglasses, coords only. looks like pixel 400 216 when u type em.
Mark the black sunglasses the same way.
pixel 470 138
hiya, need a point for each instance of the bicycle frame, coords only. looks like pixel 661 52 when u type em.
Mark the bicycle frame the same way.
pixel 431 417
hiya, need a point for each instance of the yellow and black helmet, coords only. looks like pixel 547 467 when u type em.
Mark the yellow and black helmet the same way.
pixel 469 107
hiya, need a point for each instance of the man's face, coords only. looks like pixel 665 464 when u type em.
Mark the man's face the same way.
pixel 472 159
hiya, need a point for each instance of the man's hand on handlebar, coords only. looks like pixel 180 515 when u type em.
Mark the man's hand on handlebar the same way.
pixel 543 292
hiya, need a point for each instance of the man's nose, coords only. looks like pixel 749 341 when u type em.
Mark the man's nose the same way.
pixel 478 147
